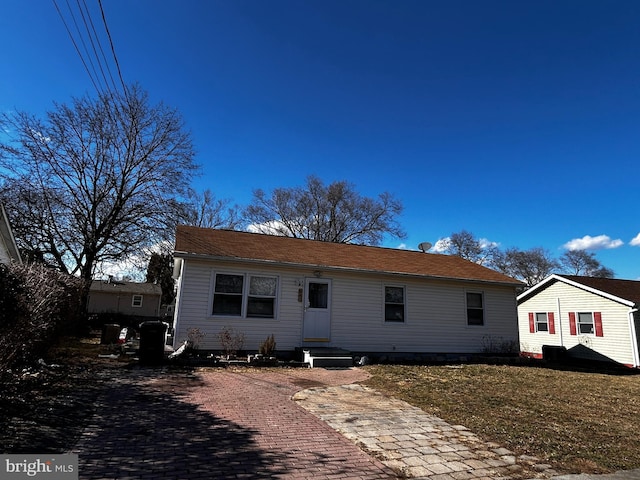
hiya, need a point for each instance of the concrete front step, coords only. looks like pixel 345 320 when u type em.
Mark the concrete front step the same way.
pixel 327 357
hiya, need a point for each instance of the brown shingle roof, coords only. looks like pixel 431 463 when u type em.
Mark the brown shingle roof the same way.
pixel 235 245
pixel 625 289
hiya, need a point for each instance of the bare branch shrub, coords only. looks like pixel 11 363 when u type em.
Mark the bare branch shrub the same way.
pixel 37 304
pixel 231 341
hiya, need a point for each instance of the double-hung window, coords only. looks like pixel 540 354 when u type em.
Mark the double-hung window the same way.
pixel 475 308
pixel 542 322
pixel 136 301
pixel 261 300
pixel 585 323
pixel 394 304
pixel 244 295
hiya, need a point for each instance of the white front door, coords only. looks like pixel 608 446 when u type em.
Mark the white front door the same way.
pixel 317 310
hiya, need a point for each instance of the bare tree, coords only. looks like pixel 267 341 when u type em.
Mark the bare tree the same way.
pixel 205 210
pixel 333 213
pixel 98 180
pixel 580 262
pixel 531 266
pixel 464 244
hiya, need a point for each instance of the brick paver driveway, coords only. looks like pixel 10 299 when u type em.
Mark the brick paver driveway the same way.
pixel 218 423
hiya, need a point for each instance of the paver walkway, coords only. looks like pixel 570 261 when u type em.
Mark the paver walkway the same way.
pixel 218 424
pixel 412 442
pixel 279 423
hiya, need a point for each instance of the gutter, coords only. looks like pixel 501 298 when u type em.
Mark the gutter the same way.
pixel 197 256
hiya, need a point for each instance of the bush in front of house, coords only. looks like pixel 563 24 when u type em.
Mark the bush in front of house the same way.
pixel 37 305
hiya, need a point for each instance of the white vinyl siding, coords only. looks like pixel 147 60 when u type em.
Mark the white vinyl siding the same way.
pixel 435 314
pixel 561 298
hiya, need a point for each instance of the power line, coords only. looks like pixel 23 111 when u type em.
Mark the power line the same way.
pixel 103 81
pixel 93 44
pixel 113 50
pixel 76 46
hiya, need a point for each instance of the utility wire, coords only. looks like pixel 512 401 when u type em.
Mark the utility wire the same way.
pixel 76 47
pixel 93 44
pixel 113 50
pixel 86 49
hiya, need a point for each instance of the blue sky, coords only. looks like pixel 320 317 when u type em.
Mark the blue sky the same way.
pixel 515 120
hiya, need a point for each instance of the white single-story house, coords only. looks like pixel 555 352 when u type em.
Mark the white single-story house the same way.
pixel 362 299
pixel 127 298
pixel 8 248
pixel 593 318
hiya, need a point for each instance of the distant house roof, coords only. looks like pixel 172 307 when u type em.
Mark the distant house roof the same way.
pixel 134 288
pixel 272 249
pixel 623 291
pixel 7 241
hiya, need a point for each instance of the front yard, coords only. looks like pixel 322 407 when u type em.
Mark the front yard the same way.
pixel 581 422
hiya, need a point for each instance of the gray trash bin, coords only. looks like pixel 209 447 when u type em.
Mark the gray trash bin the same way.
pixel 152 340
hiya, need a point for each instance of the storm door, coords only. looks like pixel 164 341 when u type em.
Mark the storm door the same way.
pixel 317 310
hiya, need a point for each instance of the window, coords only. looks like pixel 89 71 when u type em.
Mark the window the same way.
pixel 244 296
pixel 227 294
pixel 136 301
pixel 585 323
pixel 475 309
pixel 542 324
pixel 262 297
pixel 394 304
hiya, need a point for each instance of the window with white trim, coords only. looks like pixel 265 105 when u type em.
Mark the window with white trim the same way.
pixel 261 301
pixel 394 302
pixel 227 294
pixel 237 295
pixel 136 301
pixel 585 323
pixel 542 322
pixel 475 308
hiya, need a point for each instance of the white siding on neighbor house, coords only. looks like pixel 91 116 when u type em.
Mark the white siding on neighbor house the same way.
pixel 435 317
pixel 561 298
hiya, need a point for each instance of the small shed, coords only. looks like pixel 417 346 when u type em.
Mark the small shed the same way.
pixel 592 318
pixel 127 298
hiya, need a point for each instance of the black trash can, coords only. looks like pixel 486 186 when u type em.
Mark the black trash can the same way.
pixel 554 353
pixel 152 340
pixel 110 333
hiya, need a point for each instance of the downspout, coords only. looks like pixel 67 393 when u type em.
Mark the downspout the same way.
pixel 560 323
pixel 634 338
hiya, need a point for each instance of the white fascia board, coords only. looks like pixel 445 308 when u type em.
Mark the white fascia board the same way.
pixel 586 288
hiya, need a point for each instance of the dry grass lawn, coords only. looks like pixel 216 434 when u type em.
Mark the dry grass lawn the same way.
pixel 579 422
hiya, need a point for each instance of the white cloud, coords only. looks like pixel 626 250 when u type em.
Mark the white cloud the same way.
pixel 486 243
pixel 593 243
pixel 273 227
pixel 402 246
pixel 441 245
pixel 635 241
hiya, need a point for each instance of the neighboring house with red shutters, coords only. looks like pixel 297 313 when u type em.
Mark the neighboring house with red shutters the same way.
pixel 367 300
pixel 593 318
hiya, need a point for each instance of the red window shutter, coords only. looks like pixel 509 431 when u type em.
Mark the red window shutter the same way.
pixel 597 320
pixel 532 323
pixel 552 323
pixel 572 323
